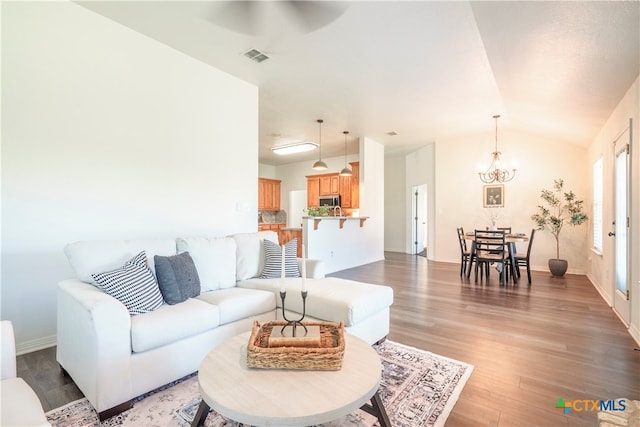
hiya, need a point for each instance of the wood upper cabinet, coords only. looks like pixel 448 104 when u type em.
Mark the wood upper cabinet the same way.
pixel 354 187
pixel 329 184
pixel 268 194
pixel 313 191
pixel 350 188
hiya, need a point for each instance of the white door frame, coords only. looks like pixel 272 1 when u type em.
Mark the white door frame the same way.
pixel 621 225
pixel 418 217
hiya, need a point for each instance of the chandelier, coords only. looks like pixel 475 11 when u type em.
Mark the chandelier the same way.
pixel 496 173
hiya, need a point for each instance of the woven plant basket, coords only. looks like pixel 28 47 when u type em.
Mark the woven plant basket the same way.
pixel 327 357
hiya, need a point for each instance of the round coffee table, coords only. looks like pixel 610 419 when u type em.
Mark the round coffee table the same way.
pixel 281 397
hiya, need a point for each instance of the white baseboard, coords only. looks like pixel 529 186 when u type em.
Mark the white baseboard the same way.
pixel 635 333
pixel 35 345
pixel 605 296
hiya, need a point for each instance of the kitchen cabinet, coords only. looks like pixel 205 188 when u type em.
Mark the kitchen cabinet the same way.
pixel 268 194
pixel 287 234
pixel 263 226
pixel 313 191
pixel 329 184
pixel 350 188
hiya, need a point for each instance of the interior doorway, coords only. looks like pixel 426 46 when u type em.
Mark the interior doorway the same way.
pixel 419 220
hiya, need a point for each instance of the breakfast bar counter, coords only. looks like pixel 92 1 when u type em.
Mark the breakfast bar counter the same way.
pixel 342 219
pixel 339 241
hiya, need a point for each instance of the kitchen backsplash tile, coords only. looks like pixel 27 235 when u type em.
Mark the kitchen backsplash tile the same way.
pixel 279 217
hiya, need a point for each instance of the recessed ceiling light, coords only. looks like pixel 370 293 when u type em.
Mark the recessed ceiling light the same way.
pixel 298 147
pixel 255 55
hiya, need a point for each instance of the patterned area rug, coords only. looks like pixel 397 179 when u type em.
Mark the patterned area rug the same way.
pixel 418 389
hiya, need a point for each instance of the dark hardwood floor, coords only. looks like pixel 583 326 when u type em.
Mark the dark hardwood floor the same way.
pixel 529 345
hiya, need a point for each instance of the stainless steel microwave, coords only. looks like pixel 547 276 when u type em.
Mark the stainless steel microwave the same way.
pixel 330 201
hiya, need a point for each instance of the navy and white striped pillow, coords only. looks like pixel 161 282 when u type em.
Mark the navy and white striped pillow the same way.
pixel 273 260
pixel 133 284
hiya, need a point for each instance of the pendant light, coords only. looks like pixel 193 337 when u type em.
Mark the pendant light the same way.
pixel 496 173
pixel 320 165
pixel 346 171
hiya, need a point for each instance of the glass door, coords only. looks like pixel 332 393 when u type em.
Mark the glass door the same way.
pixel 621 302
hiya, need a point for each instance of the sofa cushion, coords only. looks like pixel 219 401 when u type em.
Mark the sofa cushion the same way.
pixel 88 257
pixel 171 323
pixel 215 260
pixel 20 405
pixel 250 252
pixel 331 299
pixel 133 284
pixel 236 303
pixel 273 260
pixel 177 277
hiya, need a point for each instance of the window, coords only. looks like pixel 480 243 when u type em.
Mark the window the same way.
pixel 597 205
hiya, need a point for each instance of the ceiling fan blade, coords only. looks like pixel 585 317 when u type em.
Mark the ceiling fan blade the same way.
pixel 256 17
pixel 312 15
pixel 239 16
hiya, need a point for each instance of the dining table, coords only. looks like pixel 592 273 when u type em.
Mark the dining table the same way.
pixel 510 241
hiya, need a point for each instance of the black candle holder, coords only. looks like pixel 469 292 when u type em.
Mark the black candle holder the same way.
pixel 294 323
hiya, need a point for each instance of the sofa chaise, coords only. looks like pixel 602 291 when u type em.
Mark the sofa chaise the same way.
pixel 19 404
pixel 115 353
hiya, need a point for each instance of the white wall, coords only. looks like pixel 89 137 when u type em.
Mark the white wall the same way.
pixel 601 267
pixel 459 193
pixel 420 169
pixel 372 175
pixel 395 213
pixel 108 134
pixel 449 168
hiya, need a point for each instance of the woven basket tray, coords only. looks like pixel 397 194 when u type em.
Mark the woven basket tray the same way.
pixel 327 357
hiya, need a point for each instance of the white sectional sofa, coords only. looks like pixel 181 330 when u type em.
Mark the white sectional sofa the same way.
pixel 114 355
pixel 19 404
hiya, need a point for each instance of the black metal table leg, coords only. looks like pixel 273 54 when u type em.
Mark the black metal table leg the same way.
pixel 376 408
pixel 201 415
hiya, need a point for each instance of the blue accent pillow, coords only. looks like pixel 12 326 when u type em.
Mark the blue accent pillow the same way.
pixel 177 277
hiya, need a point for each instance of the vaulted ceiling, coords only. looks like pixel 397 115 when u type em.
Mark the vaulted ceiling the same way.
pixel 425 70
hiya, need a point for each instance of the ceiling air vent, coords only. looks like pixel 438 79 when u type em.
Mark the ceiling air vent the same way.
pixel 256 55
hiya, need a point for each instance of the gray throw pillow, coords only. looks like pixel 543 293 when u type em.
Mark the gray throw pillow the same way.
pixel 177 277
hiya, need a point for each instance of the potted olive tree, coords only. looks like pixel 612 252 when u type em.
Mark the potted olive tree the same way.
pixel 561 208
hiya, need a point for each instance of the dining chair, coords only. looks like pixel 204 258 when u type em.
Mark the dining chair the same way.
pixel 490 249
pixel 465 254
pixel 524 259
pixel 509 268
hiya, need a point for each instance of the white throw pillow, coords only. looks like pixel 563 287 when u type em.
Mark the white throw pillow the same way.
pixel 90 256
pixel 215 260
pixel 250 253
